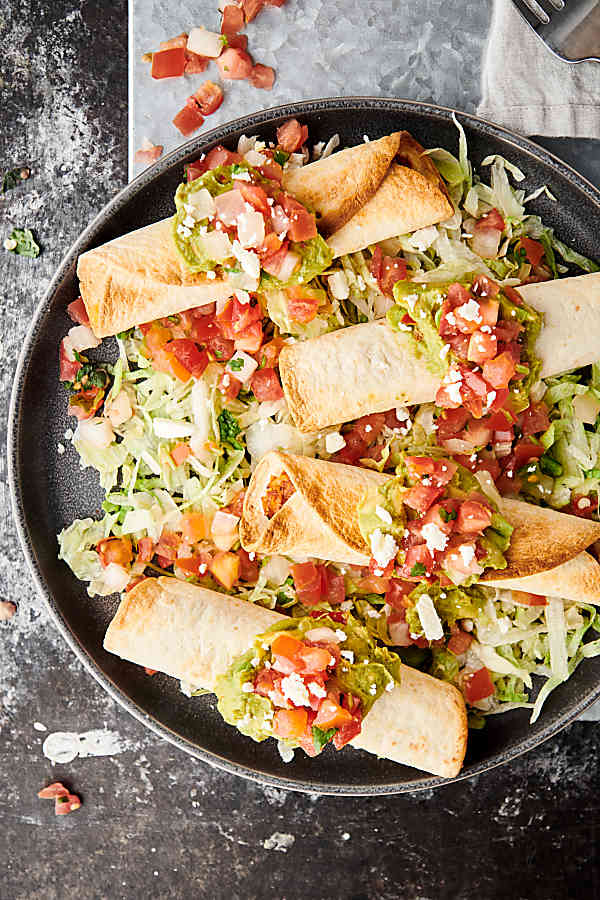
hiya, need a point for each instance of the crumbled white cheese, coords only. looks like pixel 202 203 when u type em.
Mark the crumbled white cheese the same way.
pixel 340 635
pixel 286 753
pixel 584 502
pixel 294 689
pixel 424 238
pixel 383 547
pixel 434 537
pixel 467 552
pixel 373 690
pixel 316 689
pixel 471 311
pixel 211 275
pixel 242 176
pixel 402 414
pixel 368 428
pixel 334 442
pixel 383 514
pixel 348 654
pixel 389 687
pixel 430 621
pixel 249 261
pixel 242 297
pixel 60 448
pixel 248 687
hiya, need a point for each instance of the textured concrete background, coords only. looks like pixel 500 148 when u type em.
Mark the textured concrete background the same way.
pixel 156 823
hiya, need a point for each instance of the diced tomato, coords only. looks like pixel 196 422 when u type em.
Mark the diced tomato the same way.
pixel 273 260
pixel 493 221
pixel 465 324
pixel 236 504
pixel 194 63
pixel 499 371
pixel 454 560
pixel 457 294
pixel 233 20
pixel 248 567
pixel 265 385
pixel 524 451
pixel 180 453
pixel 235 317
pixel 313 660
pixel 302 303
pixel 508 330
pixel 443 514
pixel 379 572
pixel 478 433
pixel 533 250
pixel 368 428
pixel 441 471
pixel 290 723
pixel 194 527
pixel 393 269
pixel 77 312
pixel 450 422
pixel 149 154
pixel 535 419
pixel 421 497
pixel 168 63
pixel 252 8
pixel 234 64
pixel 115 550
pixel 179 41
pixel 488 464
pixel 145 549
pixel 307 580
pixel 167 546
pixel 473 517
pixel 195 170
pixel 250 338
pixel 331 715
pixel 262 77
pixel 354 450
pixel 478 685
pixel 229 386
pixel 196 565
pixel 482 345
pixel 445 399
pixel 345 733
pixel 484 287
pixel 460 642
pixel 254 195
pixel 292 135
pixel 528 599
pixel 372 584
pixel 189 355
pixel 264 682
pixel 209 97
pixel 303 225
pixel 189 119
pixel 333 587
pixel 52 791
pixel 222 349
pixel 397 593
pixel 68 368
pixel 269 352
pixel 225 568
pixel 286 645
pixel 417 556
pixel 220 156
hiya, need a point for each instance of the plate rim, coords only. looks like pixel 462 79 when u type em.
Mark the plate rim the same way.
pixel 252 120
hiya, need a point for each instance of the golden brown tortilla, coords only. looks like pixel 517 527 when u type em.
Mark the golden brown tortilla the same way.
pixel 195 634
pixel 339 185
pixel 320 520
pixel 140 277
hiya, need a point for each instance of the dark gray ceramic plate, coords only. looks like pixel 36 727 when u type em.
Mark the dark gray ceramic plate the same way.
pixel 49 491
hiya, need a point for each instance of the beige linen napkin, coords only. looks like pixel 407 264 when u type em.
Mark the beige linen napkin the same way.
pixel 528 89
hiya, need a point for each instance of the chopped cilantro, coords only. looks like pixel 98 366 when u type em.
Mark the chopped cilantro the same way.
pixel 281 157
pixel 418 569
pixel 90 376
pixel 229 429
pixel 236 364
pixel 447 515
pixel 22 242
pixel 224 41
pixel 320 737
pixel 123 335
pixel 218 353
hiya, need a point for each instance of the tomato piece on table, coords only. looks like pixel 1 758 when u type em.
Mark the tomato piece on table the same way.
pixel 168 63
pixel 262 77
pixel 189 119
pixel 208 97
pixel 234 64
pixel 233 20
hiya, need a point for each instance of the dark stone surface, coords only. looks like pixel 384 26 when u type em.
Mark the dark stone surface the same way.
pixel 156 823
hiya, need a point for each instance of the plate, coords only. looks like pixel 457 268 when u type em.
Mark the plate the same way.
pixel 48 491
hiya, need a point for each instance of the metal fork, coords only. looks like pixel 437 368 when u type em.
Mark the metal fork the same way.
pixel 569 28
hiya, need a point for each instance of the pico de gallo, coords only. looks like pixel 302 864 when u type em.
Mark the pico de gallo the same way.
pixel 175 424
pixel 432 523
pixel 307 682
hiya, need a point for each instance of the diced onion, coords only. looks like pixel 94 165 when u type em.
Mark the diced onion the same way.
pixel 115 577
pixel 276 569
pixel 97 432
pixel 224 530
pixel 171 429
pixel 485 242
pixel 81 337
pixel 205 43
pixel 322 634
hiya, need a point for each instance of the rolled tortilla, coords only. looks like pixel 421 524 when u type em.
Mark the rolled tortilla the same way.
pixel 140 277
pixel 320 519
pixel 371 192
pixel 571 332
pixel 336 187
pixel 577 580
pixel 195 634
pixel 372 368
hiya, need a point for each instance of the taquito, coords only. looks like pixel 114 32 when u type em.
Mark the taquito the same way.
pixel 320 519
pixel 372 368
pixel 194 634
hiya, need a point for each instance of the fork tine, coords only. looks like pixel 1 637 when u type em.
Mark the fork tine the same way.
pixel 532 12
